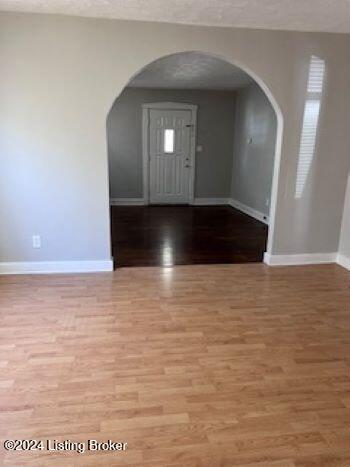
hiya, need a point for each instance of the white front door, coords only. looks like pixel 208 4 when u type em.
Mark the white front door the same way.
pixel 170 162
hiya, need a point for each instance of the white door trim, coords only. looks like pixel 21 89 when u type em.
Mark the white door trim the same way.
pixel 145 142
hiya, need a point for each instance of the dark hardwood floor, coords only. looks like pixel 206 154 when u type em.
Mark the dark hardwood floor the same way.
pixel 170 235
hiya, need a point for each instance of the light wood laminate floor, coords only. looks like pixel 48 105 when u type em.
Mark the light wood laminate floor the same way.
pixel 231 365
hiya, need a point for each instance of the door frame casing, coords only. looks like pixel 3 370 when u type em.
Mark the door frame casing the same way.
pixel 146 108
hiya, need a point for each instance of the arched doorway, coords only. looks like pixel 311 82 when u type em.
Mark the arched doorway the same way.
pixel 162 90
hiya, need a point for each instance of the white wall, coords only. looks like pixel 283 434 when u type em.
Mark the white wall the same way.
pixel 61 75
pixel 344 242
pixel 254 149
pixel 215 121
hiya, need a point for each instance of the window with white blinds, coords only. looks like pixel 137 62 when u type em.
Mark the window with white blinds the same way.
pixel 310 122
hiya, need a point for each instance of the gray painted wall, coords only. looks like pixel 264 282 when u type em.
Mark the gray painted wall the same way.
pixel 254 149
pixel 59 78
pixel 215 123
pixel 344 243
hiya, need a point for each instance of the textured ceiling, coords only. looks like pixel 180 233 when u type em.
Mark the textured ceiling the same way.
pixel 299 15
pixel 191 70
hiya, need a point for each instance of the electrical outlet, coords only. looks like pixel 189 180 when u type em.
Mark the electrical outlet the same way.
pixel 267 202
pixel 36 241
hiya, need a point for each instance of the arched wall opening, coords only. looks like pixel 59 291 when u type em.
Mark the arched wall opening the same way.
pixel 135 82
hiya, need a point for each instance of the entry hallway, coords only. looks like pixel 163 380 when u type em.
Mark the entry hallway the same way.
pixel 231 365
pixel 170 235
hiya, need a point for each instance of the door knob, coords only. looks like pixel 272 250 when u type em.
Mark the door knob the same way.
pixel 187 166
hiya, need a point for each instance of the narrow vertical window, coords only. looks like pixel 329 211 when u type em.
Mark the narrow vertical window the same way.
pixel 310 123
pixel 169 140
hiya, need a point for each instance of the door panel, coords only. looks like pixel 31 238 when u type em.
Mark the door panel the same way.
pixel 170 156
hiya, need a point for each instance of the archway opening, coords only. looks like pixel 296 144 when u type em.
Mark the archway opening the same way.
pixel 193 150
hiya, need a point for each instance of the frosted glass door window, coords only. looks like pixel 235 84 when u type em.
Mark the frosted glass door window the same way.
pixel 169 135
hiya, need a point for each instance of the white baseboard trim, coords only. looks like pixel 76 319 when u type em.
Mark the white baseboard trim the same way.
pixel 210 201
pixel 250 211
pixel 58 267
pixel 127 201
pixel 343 261
pixel 295 260
pixel 55 267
